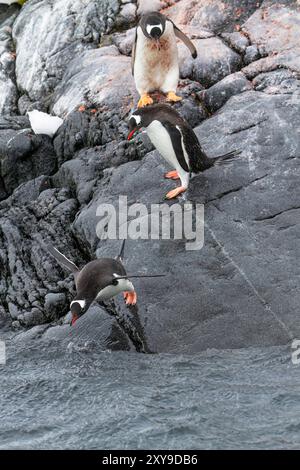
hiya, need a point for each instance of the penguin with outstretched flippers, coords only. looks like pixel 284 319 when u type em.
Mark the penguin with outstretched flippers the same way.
pixel 100 279
pixel 155 57
pixel 176 141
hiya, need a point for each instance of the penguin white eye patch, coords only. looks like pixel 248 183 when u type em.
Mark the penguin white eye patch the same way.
pixel 136 118
pixel 151 26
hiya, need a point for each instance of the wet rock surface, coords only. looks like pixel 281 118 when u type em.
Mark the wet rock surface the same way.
pixel 243 92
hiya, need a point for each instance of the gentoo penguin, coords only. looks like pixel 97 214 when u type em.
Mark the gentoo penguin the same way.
pixel 155 57
pixel 176 141
pixel 100 279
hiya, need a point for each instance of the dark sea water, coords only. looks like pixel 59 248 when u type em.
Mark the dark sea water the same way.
pixel 58 396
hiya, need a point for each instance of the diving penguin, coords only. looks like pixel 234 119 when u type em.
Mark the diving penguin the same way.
pixel 100 279
pixel 155 57
pixel 176 141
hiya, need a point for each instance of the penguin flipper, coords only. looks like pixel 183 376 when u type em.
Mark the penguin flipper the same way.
pixel 133 52
pixel 175 136
pixel 185 40
pixel 62 259
pixel 198 159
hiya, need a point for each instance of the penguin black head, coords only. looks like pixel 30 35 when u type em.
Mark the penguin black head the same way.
pixel 78 308
pixel 153 25
pixel 142 117
pixel 135 123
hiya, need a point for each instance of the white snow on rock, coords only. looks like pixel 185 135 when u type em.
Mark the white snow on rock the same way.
pixel 43 123
pixel 8 2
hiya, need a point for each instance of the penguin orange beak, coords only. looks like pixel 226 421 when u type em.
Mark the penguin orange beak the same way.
pixel 131 133
pixel 74 319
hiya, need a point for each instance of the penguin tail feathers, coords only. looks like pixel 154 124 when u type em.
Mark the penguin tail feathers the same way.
pixel 120 256
pixel 226 158
pixel 62 259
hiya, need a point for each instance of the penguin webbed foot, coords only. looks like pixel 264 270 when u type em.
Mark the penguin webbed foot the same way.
pixel 172 97
pixel 130 298
pixel 145 100
pixel 175 192
pixel 173 175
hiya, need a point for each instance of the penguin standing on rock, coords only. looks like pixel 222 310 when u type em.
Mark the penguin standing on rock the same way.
pixel 100 279
pixel 155 57
pixel 176 141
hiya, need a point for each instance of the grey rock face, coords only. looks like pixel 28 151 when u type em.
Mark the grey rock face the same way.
pixel 23 155
pixel 236 41
pixel 213 16
pixel 242 92
pixel 215 60
pixel 251 54
pixel 124 41
pixel 8 89
pixel 24 226
pixel 59 30
pixel 275 31
pixel 278 81
pixel 89 78
pixel 146 6
pixel 218 94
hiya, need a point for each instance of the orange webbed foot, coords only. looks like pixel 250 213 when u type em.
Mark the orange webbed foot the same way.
pixel 144 101
pixel 175 192
pixel 173 175
pixel 130 298
pixel 172 97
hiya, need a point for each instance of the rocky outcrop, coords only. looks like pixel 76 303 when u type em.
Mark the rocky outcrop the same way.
pixel 60 30
pixel 89 78
pixel 241 289
pixel 23 155
pixel 213 16
pixel 8 89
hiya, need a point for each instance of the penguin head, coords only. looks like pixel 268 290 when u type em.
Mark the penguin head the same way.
pixel 135 124
pixel 78 308
pixel 153 25
pixel 142 117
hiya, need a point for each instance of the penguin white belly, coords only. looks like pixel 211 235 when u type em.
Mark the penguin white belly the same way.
pixel 161 139
pixel 111 291
pixel 156 64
